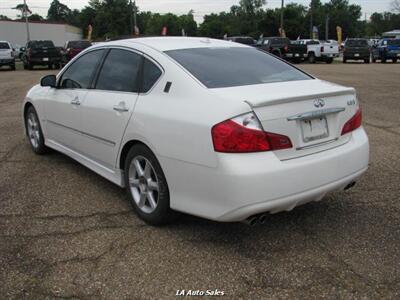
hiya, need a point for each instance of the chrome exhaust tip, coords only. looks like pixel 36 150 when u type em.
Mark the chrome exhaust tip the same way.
pixel 252 221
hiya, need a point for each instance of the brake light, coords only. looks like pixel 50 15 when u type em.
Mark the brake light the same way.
pixel 354 123
pixel 286 48
pixel 244 134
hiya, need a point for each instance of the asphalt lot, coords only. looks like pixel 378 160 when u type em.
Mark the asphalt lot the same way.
pixel 66 232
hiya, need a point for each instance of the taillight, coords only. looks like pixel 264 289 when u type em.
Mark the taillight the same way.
pixel 353 123
pixel 322 49
pixel 244 134
pixel 286 48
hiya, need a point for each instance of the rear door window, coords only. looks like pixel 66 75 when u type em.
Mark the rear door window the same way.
pixel 120 71
pixel 151 73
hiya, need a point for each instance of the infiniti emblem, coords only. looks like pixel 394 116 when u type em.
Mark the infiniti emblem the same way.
pixel 319 103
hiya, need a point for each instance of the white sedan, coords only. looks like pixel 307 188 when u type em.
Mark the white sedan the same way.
pixel 206 127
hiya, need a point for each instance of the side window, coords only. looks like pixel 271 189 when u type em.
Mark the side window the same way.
pixel 79 74
pixel 120 72
pixel 151 73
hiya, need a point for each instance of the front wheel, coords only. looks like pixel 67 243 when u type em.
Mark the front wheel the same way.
pixel 147 187
pixel 34 131
pixel 311 58
pixel 329 60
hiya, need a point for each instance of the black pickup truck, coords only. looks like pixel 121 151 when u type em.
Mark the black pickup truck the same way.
pixel 41 53
pixel 284 48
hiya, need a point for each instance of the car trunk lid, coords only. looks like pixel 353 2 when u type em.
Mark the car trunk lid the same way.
pixel 311 113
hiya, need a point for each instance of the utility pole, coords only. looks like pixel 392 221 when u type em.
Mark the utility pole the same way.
pixel 25 13
pixel 130 17
pixel 311 20
pixel 134 15
pixel 327 28
pixel 282 6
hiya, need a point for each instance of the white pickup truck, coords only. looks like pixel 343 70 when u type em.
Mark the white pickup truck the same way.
pixel 321 51
pixel 7 55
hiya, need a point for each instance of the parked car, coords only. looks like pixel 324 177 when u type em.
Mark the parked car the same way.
pixel 320 51
pixel 386 49
pixel 72 48
pixel 188 125
pixel 7 55
pixel 283 47
pixel 356 49
pixel 41 53
pixel 246 40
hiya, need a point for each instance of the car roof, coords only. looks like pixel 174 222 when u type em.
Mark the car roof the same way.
pixel 174 43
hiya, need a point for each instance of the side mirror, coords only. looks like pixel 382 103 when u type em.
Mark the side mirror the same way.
pixel 49 80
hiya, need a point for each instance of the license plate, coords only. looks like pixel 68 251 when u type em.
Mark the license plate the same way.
pixel 297 55
pixel 45 59
pixel 356 55
pixel 314 129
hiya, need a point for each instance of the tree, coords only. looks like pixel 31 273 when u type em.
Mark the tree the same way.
pixel 58 12
pixel 35 17
pixel 3 17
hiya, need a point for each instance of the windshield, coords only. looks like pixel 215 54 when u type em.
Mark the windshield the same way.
pixel 357 43
pixel 4 45
pixel 394 43
pixel 42 44
pixel 236 66
pixel 79 44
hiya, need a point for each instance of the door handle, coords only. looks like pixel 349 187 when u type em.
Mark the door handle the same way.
pixel 76 101
pixel 121 107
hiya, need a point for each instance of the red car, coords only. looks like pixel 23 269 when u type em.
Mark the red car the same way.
pixel 72 48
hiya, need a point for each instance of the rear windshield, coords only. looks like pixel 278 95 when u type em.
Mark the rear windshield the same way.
pixel 42 44
pixel 79 44
pixel 394 42
pixel 357 43
pixel 228 67
pixel 4 46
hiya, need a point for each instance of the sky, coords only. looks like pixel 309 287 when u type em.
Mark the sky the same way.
pixel 200 7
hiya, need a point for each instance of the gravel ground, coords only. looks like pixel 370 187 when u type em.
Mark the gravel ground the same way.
pixel 65 232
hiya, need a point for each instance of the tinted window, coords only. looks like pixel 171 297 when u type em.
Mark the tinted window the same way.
pixel 227 67
pixel 42 44
pixel 357 43
pixel 151 73
pixel 120 72
pixel 79 74
pixel 4 46
pixel 394 42
pixel 79 44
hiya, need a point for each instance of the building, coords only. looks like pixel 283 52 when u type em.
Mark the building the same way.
pixel 394 34
pixel 15 32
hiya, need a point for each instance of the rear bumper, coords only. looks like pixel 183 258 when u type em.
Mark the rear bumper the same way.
pixel 7 61
pixel 43 61
pixel 361 56
pixel 247 184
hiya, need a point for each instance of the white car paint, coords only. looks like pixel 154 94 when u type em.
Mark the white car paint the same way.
pixel 177 125
pixel 330 49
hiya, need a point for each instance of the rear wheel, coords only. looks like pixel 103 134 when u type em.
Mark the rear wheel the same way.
pixel 50 66
pixel 311 58
pixel 329 60
pixel 344 60
pixel 34 131
pixel 366 60
pixel 30 65
pixel 395 60
pixel 147 186
pixel 12 67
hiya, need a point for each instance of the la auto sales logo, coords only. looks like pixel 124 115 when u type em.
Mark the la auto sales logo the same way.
pixel 188 293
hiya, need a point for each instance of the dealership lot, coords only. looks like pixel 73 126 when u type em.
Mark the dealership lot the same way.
pixel 67 232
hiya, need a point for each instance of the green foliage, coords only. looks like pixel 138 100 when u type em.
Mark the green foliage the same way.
pixel 381 22
pixel 58 12
pixel 3 17
pixel 35 17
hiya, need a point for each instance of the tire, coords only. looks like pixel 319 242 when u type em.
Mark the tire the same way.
pixel 383 60
pixel 344 60
pixel 311 58
pixel 394 60
pixel 29 66
pixel 366 60
pixel 374 60
pixel 12 67
pixel 147 187
pixel 34 132
pixel 329 60
pixel 50 66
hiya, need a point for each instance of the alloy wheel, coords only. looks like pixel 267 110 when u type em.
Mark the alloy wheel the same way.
pixel 144 184
pixel 33 130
